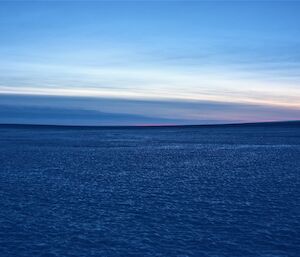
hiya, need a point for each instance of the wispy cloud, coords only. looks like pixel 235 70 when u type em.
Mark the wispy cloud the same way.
pixel 149 83
pixel 107 111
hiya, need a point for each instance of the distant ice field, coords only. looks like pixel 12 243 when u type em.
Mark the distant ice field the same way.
pixel 224 191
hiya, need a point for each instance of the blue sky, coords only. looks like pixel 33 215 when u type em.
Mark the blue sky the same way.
pixel 149 62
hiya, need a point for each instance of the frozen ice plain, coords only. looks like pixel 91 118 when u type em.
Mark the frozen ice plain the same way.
pixel 194 191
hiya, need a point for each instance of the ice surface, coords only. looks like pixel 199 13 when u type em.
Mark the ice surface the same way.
pixel 215 191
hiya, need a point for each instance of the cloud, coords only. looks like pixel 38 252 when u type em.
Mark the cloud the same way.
pixel 149 83
pixel 66 116
pixel 111 111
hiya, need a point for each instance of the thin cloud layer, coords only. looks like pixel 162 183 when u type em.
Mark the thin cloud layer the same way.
pixel 33 109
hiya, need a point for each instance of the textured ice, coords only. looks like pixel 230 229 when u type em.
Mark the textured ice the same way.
pixel 215 191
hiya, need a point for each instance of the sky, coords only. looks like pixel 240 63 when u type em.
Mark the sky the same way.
pixel 149 62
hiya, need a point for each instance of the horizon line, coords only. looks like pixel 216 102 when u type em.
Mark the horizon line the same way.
pixel 7 125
